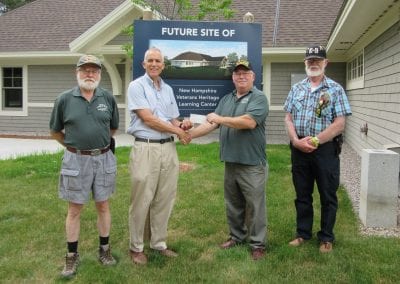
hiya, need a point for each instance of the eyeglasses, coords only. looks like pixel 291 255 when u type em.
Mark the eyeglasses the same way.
pixel 238 74
pixel 90 71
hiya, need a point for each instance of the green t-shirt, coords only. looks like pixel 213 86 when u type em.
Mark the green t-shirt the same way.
pixel 244 146
pixel 86 124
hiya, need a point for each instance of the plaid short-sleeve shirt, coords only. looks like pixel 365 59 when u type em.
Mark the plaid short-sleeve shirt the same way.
pixel 313 111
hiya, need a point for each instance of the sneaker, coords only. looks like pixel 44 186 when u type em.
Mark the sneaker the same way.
pixel 105 256
pixel 325 247
pixel 71 264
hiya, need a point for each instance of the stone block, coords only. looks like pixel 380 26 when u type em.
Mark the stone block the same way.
pixel 379 188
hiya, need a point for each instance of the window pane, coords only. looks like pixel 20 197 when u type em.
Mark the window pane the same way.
pixel 7 82
pixel 17 82
pixel 7 72
pixel 17 72
pixel 13 98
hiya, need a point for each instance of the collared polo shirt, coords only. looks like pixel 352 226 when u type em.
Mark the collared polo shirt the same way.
pixel 302 102
pixel 244 146
pixel 142 94
pixel 86 124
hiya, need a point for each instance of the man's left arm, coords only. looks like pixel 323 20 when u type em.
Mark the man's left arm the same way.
pixel 333 130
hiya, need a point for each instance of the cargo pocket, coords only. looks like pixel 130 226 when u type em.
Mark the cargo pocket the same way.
pixel 71 179
pixel 109 176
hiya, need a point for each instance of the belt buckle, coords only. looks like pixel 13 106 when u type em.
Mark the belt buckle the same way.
pixel 95 152
pixel 162 141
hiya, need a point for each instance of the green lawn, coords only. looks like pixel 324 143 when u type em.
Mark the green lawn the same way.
pixel 32 243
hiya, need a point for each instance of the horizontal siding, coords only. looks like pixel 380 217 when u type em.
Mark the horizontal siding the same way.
pixel 378 103
pixel 275 128
pixel 46 82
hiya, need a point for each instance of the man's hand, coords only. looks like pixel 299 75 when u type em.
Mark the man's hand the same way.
pixel 214 118
pixel 305 145
pixel 186 124
pixel 184 137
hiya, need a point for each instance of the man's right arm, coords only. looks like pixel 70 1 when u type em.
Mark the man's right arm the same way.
pixel 202 129
pixel 301 144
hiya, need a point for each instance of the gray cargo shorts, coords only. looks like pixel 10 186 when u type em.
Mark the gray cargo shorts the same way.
pixel 84 174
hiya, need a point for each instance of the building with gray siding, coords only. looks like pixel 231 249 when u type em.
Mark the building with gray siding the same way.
pixel 42 41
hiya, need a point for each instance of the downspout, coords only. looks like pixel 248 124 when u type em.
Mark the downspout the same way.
pixel 276 23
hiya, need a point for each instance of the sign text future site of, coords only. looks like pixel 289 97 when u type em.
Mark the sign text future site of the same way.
pixel 199 58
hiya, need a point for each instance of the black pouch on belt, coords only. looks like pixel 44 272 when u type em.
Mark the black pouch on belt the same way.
pixel 112 145
pixel 338 143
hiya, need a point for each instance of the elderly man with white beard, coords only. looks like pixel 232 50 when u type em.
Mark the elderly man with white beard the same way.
pixel 316 109
pixel 83 120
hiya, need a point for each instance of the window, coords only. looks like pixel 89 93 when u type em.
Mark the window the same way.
pixel 355 72
pixel 12 88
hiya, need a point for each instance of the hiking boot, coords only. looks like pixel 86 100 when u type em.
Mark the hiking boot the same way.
pixel 105 256
pixel 71 264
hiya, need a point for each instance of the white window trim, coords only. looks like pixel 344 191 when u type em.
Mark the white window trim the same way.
pixel 356 83
pixel 24 110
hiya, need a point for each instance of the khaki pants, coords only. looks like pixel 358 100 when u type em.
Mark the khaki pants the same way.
pixel 154 172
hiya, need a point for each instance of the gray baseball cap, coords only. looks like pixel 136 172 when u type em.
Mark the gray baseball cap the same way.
pixel 88 59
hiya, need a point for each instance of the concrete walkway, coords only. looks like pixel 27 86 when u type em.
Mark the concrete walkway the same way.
pixel 11 148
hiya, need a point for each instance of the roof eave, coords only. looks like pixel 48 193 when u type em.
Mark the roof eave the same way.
pixel 359 24
pixel 107 28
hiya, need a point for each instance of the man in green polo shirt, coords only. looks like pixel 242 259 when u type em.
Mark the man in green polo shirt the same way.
pixel 83 120
pixel 241 116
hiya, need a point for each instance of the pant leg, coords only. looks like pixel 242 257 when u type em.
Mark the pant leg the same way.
pixel 235 204
pixel 144 170
pixel 303 181
pixel 327 177
pixel 252 182
pixel 164 199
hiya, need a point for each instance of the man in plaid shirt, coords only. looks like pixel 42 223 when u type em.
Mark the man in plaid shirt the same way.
pixel 316 110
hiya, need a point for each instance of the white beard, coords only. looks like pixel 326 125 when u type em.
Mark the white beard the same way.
pixel 87 84
pixel 314 73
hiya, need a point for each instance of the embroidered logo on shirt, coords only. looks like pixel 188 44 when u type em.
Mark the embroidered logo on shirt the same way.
pixel 102 107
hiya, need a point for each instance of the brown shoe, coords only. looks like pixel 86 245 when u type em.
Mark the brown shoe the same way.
pixel 257 253
pixel 325 247
pixel 229 244
pixel 167 253
pixel 297 242
pixel 138 257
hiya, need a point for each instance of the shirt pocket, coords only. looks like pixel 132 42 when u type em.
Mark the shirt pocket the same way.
pixel 298 104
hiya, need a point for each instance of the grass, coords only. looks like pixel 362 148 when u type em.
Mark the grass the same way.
pixel 32 234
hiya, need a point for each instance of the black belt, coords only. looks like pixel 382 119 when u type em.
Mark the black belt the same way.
pixel 94 152
pixel 161 141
